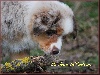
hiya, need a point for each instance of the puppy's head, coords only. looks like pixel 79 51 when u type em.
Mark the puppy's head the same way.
pixel 49 23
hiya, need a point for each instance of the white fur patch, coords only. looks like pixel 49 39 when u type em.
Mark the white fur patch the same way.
pixel 57 44
pixel 67 25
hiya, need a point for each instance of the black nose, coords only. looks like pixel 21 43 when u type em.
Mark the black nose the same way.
pixel 55 51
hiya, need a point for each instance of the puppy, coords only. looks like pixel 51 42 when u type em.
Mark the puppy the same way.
pixel 25 24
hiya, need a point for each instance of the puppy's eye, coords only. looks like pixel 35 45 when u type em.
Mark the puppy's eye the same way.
pixel 51 32
pixel 37 31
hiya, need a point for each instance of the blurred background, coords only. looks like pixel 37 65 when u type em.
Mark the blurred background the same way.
pixel 85 48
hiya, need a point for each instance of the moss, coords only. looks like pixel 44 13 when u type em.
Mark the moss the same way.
pixel 27 64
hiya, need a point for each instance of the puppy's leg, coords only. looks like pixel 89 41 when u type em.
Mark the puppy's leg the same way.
pixel 20 55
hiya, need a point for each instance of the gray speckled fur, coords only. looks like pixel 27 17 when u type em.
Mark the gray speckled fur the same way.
pixel 12 23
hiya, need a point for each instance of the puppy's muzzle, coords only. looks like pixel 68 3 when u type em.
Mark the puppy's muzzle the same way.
pixel 55 50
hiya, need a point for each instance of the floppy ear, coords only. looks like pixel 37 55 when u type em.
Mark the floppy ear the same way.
pixel 74 33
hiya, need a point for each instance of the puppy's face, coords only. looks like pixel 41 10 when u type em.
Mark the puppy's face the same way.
pixel 47 32
pixel 47 27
